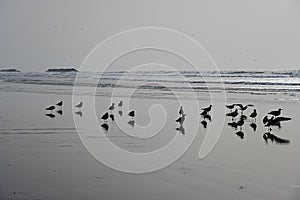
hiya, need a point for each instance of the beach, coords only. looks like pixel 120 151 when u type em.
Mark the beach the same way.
pixel 44 158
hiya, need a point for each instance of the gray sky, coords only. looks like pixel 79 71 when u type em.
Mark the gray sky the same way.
pixel 35 35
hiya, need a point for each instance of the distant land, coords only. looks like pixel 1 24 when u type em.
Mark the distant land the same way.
pixel 62 70
pixel 9 70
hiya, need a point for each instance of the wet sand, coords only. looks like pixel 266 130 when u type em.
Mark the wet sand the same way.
pixel 43 157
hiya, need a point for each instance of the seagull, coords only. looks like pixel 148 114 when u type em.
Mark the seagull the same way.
pixel 240 123
pixel 181 119
pixel 253 114
pixel 131 114
pixel 233 114
pixel 105 116
pixel 51 108
pixel 204 112
pixel 204 123
pixel 60 104
pixel 180 110
pixel 265 119
pixel 207 109
pixel 79 105
pixel 112 117
pixel 243 108
pixel 230 106
pixel 112 107
pixel 275 112
pixel 120 104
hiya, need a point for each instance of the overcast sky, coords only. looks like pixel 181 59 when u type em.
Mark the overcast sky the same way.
pixel 247 35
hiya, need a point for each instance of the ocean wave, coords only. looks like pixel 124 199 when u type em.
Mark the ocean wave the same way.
pixel 274 81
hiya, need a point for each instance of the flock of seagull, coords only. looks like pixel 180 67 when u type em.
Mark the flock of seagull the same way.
pixel 236 113
pixel 105 116
pixel 109 114
pixel 238 119
pixel 58 107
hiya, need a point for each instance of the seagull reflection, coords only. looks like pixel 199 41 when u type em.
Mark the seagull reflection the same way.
pixel 131 123
pixel 269 136
pixel 208 117
pixel 120 112
pixel 50 115
pixel 253 126
pixel 240 134
pixel 105 126
pixel 233 125
pixel 60 112
pixel 181 129
pixel 112 117
pixel 243 117
pixel 204 123
pixel 79 113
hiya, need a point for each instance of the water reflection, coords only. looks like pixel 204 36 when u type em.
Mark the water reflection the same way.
pixel 120 112
pixel 253 126
pixel 131 123
pixel 60 112
pixel 273 138
pixel 204 123
pixel 181 129
pixel 240 134
pixel 79 113
pixel 105 126
pixel 50 115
